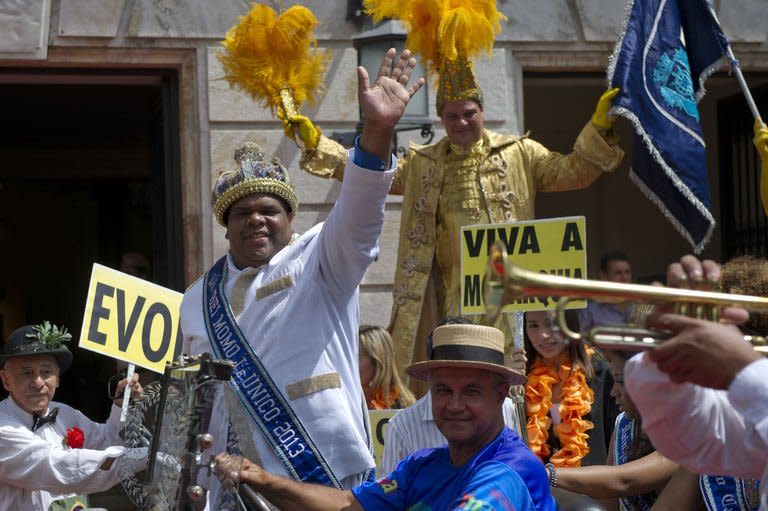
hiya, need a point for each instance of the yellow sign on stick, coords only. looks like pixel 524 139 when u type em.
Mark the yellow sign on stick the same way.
pixel 556 246
pixel 379 420
pixel 130 319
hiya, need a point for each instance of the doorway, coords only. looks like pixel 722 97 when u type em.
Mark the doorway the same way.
pixel 745 226
pixel 90 172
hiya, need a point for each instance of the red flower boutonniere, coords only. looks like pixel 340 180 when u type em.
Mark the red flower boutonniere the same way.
pixel 75 438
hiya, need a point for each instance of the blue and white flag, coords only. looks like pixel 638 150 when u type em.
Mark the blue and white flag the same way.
pixel 666 51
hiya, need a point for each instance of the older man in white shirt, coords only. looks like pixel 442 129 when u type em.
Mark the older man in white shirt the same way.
pixel 51 454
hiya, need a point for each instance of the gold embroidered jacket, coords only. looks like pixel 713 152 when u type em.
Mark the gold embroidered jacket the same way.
pixel 511 169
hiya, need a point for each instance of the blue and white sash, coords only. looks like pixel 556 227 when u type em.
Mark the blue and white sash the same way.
pixel 728 493
pixel 258 393
pixel 625 433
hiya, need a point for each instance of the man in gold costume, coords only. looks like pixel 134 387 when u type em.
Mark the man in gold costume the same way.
pixel 471 176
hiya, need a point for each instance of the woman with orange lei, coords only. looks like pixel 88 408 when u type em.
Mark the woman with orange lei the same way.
pixel 379 373
pixel 570 414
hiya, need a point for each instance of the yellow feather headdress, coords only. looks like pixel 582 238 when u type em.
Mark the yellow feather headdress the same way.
pixel 268 55
pixel 447 34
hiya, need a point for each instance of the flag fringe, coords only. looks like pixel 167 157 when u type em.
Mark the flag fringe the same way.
pixel 681 187
pixel 709 71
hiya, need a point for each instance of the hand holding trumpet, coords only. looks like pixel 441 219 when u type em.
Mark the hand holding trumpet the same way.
pixel 702 352
pixel 506 282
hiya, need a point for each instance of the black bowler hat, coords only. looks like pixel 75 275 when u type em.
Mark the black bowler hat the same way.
pixel 43 339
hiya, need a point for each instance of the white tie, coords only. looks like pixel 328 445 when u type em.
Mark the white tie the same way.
pixel 242 284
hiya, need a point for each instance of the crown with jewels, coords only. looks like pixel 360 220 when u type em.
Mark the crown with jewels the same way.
pixel 252 175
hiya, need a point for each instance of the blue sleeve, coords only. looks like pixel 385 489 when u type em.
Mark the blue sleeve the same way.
pixel 365 159
pixel 387 493
pixel 494 486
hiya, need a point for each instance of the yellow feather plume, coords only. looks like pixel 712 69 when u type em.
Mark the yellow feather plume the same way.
pixel 443 30
pixel 266 52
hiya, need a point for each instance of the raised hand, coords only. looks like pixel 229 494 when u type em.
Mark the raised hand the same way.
pixel 384 101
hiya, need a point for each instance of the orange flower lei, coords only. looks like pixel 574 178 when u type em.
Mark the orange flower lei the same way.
pixel 577 402
pixel 380 402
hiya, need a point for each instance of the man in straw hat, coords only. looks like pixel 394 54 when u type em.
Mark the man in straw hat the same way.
pixel 49 452
pixel 284 308
pixel 471 176
pixel 484 466
pixel 414 428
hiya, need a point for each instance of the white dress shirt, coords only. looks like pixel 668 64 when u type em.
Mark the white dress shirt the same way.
pixel 414 428
pixel 707 431
pixel 35 469
pixel 301 316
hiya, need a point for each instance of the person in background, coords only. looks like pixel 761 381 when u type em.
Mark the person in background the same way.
pixel 52 455
pixel 473 175
pixel 570 413
pixel 634 473
pixel 136 264
pixel 614 267
pixel 379 372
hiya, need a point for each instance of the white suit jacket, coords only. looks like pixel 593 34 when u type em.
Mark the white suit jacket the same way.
pixel 707 431
pixel 35 469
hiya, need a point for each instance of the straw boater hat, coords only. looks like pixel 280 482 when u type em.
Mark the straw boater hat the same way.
pixel 43 339
pixel 472 346
pixel 252 175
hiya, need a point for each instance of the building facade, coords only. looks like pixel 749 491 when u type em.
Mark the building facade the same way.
pixel 118 121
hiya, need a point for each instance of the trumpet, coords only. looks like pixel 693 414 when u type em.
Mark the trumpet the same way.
pixel 506 282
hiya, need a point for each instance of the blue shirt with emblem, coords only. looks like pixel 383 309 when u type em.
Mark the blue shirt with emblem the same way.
pixel 503 475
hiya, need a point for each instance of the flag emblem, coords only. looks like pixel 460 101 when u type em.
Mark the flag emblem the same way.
pixel 672 76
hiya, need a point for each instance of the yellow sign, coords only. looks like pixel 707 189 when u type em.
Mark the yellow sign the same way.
pixel 379 420
pixel 556 246
pixel 130 319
